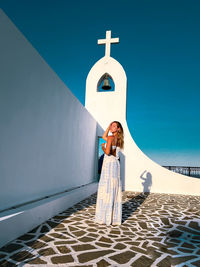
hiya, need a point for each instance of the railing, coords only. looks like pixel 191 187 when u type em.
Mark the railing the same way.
pixel 189 171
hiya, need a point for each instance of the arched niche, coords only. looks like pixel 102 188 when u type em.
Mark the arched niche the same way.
pixel 101 81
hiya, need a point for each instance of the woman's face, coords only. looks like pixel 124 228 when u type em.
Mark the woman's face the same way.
pixel 113 127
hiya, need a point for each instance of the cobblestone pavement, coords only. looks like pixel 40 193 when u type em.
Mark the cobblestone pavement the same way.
pixel 157 230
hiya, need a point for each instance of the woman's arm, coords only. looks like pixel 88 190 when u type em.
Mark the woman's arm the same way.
pixel 108 145
pixel 141 176
pixel 105 135
pixel 103 147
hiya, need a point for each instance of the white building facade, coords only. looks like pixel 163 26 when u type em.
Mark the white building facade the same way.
pixel 138 172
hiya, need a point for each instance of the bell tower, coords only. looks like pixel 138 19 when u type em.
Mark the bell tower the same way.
pixel 106 105
pixel 138 172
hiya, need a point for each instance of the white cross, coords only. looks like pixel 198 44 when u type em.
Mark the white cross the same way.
pixel 107 42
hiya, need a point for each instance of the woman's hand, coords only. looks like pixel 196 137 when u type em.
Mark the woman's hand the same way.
pixel 105 135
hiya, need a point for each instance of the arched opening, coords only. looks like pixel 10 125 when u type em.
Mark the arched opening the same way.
pixel 105 79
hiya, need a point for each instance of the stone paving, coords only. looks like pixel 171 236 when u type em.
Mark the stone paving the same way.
pixel 157 230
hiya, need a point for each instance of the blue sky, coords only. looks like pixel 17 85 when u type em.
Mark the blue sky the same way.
pixel 159 50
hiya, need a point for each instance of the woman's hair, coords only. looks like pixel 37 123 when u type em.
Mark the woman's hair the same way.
pixel 120 138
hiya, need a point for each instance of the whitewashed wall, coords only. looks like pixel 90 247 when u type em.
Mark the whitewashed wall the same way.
pixel 47 137
pixel 138 172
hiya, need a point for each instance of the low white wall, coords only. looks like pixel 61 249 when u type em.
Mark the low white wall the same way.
pixel 16 222
pixel 48 139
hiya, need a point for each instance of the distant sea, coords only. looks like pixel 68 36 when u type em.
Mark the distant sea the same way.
pixel 175 158
pixel 182 159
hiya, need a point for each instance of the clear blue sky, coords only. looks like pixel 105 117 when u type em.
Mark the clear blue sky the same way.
pixel 159 50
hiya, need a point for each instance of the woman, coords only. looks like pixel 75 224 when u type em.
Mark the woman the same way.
pixel 109 203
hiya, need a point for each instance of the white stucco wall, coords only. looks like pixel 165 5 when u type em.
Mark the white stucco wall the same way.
pixel 111 105
pixel 47 137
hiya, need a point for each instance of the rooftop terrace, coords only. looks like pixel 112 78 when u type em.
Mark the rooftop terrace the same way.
pixel 157 230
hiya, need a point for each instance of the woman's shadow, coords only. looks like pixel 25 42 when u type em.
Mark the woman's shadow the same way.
pixel 133 202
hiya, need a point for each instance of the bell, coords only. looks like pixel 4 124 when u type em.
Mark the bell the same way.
pixel 106 85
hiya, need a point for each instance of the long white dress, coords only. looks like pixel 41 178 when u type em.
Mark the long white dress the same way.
pixel 109 195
